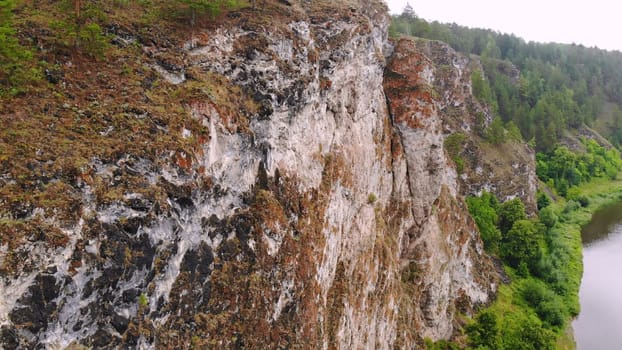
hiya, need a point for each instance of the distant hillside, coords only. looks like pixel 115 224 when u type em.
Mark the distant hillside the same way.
pixel 560 86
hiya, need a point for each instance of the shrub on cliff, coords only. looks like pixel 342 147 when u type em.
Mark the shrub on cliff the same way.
pixel 78 28
pixel 495 133
pixel 453 145
pixel 483 209
pixel 481 88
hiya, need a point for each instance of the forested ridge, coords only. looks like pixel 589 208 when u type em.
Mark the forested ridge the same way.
pixel 564 100
pixel 560 87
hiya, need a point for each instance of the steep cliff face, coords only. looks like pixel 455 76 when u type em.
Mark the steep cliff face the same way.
pixel 298 211
pixel 442 258
pixel 506 169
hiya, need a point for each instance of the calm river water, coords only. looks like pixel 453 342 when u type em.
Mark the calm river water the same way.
pixel 599 325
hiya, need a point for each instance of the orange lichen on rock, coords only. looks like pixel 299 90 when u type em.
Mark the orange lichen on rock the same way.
pixel 408 85
pixel 183 160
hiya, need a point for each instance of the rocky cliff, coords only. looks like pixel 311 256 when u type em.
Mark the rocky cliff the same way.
pixel 445 76
pixel 291 189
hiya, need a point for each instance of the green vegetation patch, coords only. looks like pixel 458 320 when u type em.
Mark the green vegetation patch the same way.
pixel 17 67
pixel 562 168
pixel 453 145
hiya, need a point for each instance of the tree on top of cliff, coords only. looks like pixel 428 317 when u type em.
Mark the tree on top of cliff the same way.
pixel 409 11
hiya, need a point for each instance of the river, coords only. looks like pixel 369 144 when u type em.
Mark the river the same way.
pixel 599 325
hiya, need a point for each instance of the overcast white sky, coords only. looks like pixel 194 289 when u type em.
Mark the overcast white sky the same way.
pixel 591 23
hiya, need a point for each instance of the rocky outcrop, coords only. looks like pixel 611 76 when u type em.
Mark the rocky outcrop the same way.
pixel 308 213
pixel 506 169
pixel 443 264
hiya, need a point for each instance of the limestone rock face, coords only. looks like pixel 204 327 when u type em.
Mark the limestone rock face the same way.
pixel 324 218
pixel 443 264
pixel 507 169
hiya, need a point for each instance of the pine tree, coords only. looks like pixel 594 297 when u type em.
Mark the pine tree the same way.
pixel 196 8
pixel 409 12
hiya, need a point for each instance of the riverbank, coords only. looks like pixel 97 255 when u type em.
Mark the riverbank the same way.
pixel 598 324
pixel 600 193
pixel 557 284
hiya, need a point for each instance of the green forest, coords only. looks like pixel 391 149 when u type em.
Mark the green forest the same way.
pixel 560 91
